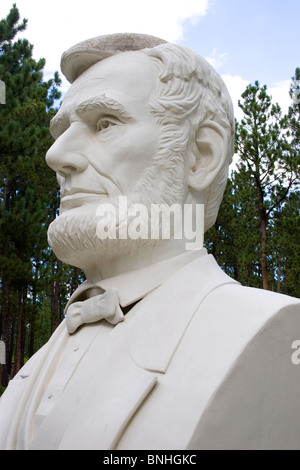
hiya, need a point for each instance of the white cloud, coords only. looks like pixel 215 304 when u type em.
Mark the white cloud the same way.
pixel 63 23
pixel 216 59
pixel 58 25
pixel 236 86
pixel 280 94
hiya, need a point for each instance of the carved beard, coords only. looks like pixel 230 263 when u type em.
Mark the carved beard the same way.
pixel 74 239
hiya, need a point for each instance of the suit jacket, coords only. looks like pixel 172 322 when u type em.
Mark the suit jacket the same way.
pixel 200 363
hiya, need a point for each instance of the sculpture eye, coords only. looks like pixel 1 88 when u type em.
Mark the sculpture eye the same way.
pixel 105 123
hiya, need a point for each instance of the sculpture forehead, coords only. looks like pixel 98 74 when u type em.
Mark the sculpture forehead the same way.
pixel 125 75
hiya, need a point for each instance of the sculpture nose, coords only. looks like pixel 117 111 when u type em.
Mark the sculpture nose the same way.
pixel 64 156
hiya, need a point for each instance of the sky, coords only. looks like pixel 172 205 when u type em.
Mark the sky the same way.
pixel 244 40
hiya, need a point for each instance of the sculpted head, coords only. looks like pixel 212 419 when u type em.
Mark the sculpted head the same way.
pixel 154 124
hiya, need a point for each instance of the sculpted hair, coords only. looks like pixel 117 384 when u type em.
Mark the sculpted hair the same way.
pixel 189 93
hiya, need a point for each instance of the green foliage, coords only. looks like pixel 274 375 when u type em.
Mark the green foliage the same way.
pixel 292 121
pixel 259 222
pixel 234 239
pixel 263 146
pixel 285 246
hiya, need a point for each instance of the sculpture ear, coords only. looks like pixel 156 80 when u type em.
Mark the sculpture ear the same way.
pixel 210 154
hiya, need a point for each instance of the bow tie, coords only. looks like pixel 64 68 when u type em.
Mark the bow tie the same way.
pixel 103 306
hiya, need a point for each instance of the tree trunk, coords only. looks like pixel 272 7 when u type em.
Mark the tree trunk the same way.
pixel 236 269
pixel 31 341
pixel 75 279
pixel 264 259
pixel 5 369
pixel 278 279
pixel 263 231
pixel 34 312
pixel 5 317
pixel 20 343
pixel 9 356
pixel 55 296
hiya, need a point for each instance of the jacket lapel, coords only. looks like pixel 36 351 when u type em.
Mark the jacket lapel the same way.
pixel 119 395
pixel 112 396
pixel 23 391
pixel 164 316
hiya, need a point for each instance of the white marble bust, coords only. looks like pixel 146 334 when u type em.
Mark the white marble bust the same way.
pixel 159 348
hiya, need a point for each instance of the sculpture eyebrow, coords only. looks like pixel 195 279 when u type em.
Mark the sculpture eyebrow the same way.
pixel 58 124
pixel 102 103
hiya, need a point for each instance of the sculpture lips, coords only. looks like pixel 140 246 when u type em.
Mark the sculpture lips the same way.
pixel 77 191
pixel 77 197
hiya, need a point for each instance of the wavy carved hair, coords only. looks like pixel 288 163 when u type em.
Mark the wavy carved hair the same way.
pixel 189 93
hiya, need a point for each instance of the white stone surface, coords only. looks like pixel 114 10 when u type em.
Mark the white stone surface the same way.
pixel 198 362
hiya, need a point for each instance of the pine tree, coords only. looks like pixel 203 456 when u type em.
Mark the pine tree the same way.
pixel 292 120
pixel 285 246
pixel 262 197
pixel 27 185
pixel 268 156
pixel 234 238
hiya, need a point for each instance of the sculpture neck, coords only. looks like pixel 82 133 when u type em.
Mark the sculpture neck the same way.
pixel 137 259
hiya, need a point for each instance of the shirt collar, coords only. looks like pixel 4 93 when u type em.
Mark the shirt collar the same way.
pixel 134 285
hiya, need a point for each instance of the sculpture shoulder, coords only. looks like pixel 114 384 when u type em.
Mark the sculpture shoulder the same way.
pixel 252 334
pixel 250 300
